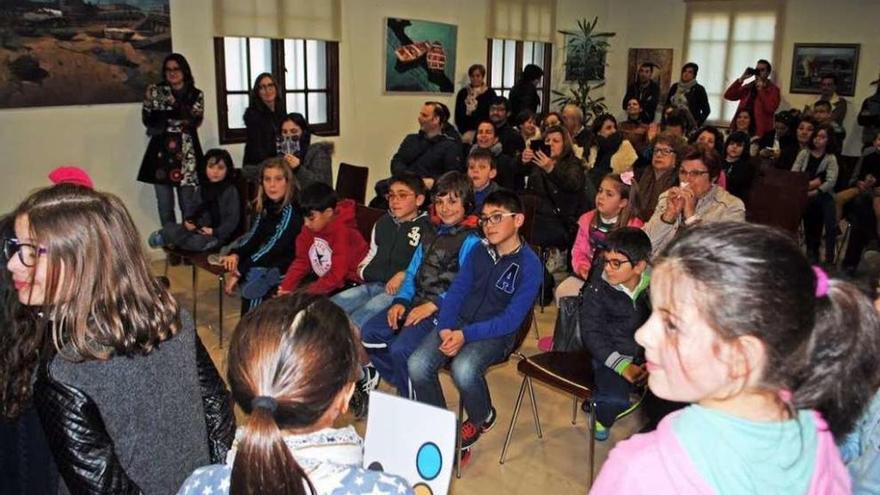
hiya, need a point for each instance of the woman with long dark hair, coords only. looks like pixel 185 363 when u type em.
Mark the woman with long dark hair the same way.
pixel 262 119
pixel 172 112
pixel 293 363
pixel 130 401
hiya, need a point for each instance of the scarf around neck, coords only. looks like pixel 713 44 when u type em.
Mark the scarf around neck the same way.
pixel 470 101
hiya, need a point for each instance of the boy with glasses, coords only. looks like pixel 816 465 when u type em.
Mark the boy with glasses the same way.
pixel 478 321
pixel 697 199
pixel 613 308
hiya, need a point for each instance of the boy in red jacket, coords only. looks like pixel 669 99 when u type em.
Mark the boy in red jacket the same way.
pixel 330 246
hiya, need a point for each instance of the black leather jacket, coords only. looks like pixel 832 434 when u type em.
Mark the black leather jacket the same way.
pixel 83 448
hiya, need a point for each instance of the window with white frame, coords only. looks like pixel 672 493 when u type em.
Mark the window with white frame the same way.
pixel 724 40
pixel 306 72
pixel 506 59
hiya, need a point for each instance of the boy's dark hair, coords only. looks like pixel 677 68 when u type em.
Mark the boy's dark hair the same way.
pixel 441 111
pixel 219 154
pixel 631 242
pixel 600 121
pixel 412 181
pixel 459 184
pixel 317 197
pixel 523 116
pixel 675 120
pixel 483 154
pixel 500 100
pixel 822 103
pixel 508 200
pixel 691 65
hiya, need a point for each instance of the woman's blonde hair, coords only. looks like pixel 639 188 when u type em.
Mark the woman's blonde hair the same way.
pixel 100 297
pixel 275 162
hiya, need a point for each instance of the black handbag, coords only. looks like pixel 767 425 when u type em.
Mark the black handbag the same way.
pixel 567 334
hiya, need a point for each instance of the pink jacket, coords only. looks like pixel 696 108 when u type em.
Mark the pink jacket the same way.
pixel 656 463
pixel 582 251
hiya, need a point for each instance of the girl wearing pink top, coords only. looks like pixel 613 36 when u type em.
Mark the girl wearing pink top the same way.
pixel 775 359
pixel 617 205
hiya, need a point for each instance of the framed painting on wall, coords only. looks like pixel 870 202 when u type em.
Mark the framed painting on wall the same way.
pixel 659 58
pixel 419 56
pixel 81 53
pixel 811 61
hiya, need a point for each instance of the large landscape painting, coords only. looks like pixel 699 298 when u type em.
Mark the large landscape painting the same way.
pixel 80 52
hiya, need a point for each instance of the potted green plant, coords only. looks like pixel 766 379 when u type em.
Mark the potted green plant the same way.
pixel 585 51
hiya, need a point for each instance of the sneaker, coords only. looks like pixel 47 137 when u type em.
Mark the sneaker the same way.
pixel 156 240
pixel 371 379
pixel 490 421
pixel 470 433
pixel 601 434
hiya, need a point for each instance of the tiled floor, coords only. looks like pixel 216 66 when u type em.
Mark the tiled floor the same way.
pixel 556 464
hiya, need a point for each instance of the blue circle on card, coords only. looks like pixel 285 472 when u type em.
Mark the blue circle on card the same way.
pixel 429 461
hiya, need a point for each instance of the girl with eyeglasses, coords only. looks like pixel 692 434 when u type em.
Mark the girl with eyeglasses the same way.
pixel 128 396
pixel 172 112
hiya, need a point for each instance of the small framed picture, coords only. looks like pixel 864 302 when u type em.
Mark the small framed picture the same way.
pixel 813 60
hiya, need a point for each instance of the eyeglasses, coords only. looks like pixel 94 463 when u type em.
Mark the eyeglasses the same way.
pixel 27 253
pixel 173 69
pixel 615 263
pixel 692 174
pixel 495 218
pixel 265 87
pixel 664 151
pixel 400 196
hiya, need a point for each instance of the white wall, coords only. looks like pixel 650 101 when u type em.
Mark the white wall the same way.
pixel 108 140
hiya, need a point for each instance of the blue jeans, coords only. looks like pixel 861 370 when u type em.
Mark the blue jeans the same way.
pixel 468 372
pixel 363 302
pixel 165 201
pixel 390 350
pixel 612 394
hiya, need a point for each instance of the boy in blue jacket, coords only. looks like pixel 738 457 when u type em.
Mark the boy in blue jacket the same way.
pixel 483 309
pixel 612 309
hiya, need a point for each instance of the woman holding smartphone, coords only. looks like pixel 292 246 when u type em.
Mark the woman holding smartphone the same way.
pixel 172 112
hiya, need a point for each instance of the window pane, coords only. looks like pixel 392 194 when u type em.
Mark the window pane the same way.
pixel 294 65
pixel 709 27
pixel 235 107
pixel 316 58
pixel 509 63
pixel 538 58
pixel 317 108
pixel 235 51
pixel 261 55
pixel 754 27
pixel 528 52
pixel 296 102
pixel 497 69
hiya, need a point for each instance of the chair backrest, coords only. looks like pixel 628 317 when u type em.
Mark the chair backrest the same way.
pixel 366 217
pixel 778 198
pixel 351 182
pixel 243 186
pixel 530 205
pixel 846 165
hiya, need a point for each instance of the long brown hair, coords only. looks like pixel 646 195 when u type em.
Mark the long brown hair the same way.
pixel 275 162
pixel 296 352
pixel 100 295
pixel 627 192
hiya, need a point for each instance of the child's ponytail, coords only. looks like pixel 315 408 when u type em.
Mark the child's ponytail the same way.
pixel 837 372
pixel 263 463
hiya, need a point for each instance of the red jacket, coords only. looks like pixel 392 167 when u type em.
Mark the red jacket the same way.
pixel 332 254
pixel 766 103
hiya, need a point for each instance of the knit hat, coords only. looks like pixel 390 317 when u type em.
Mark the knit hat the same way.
pixel 70 174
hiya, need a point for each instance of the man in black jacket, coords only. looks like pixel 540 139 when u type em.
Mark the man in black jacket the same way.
pixel 431 152
pixel 646 90
pixel 512 142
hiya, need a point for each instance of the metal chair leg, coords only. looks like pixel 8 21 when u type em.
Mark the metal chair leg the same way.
pixel 544 254
pixel 534 408
pixel 592 433
pixel 535 324
pixel 221 282
pixel 458 422
pixel 195 298
pixel 574 410
pixel 519 399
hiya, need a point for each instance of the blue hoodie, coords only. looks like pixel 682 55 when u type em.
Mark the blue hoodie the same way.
pixel 492 294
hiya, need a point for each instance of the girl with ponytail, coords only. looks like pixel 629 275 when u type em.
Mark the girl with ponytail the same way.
pixel 775 358
pixel 292 367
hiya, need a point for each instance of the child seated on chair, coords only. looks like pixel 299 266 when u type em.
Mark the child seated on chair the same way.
pixel 481 170
pixel 330 246
pixel 215 210
pixel 480 316
pixel 391 336
pixel 612 309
